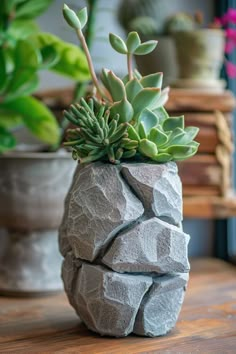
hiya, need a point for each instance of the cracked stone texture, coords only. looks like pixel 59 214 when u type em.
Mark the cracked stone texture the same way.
pixel 108 302
pixel 99 205
pixel 151 246
pixel 69 272
pixel 129 217
pixel 158 187
pixel 160 308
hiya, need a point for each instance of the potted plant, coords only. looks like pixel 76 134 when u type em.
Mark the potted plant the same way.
pixel 34 177
pixel 147 17
pixel 126 267
pixel 199 52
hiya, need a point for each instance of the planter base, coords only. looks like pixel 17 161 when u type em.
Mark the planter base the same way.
pixel 30 263
pixel 209 85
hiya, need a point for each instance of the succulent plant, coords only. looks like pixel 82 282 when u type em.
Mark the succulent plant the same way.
pixel 126 117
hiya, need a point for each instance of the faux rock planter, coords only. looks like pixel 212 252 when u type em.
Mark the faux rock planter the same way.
pixel 126 265
pixel 32 189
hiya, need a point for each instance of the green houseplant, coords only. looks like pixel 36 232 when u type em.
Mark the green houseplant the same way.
pixel 126 266
pixel 34 178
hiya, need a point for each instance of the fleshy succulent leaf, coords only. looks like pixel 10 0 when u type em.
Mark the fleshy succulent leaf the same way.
pixel 71 18
pixel 117 88
pixel 173 122
pixel 162 99
pixel 133 133
pixel 148 148
pixel 161 114
pixel 133 87
pixel 162 158
pixel 148 119
pixel 144 99
pixel 146 47
pixel 133 42
pixel 141 131
pixel 124 109
pixel 157 136
pixel 83 17
pixel 152 80
pixel 118 44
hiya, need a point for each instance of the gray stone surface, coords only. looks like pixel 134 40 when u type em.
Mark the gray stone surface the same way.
pixel 100 204
pixel 108 302
pixel 69 273
pixel 158 187
pixel 160 308
pixel 151 246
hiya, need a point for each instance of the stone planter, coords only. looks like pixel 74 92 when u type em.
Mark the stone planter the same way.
pixel 126 267
pixel 32 190
pixel 200 56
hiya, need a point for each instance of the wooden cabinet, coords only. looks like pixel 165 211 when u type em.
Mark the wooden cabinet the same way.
pixel 207 177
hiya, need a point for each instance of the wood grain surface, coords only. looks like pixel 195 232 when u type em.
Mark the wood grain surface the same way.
pixel 207 323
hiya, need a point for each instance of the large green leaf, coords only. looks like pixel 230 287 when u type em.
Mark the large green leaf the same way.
pixel 31 8
pixel 3 72
pixel 23 83
pixel 10 120
pixel 26 55
pixel 21 29
pixel 7 140
pixel 72 63
pixel 37 117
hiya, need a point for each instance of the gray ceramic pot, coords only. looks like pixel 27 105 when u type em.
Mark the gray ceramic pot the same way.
pixel 126 265
pixel 32 191
pixel 200 56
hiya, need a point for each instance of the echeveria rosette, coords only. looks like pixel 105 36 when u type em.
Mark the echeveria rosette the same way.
pixel 162 138
pixel 126 117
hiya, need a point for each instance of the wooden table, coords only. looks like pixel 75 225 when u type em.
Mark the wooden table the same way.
pixel 207 322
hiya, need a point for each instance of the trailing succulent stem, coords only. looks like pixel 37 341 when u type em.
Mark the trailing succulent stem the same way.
pixel 126 117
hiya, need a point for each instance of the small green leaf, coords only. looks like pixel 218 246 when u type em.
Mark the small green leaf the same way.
pixel 117 88
pixel 146 48
pixel 181 152
pixel 37 117
pixel 83 17
pixel 161 113
pixel 7 140
pixel 173 122
pixel 133 135
pixel 152 80
pixel 124 109
pixel 162 158
pixel 157 136
pixel 132 88
pixel 148 148
pixel 133 41
pixel 148 119
pixel 144 99
pixel 118 44
pixel 71 17
pixel 141 131
pixel 162 99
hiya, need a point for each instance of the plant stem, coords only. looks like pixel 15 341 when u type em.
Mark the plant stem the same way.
pixel 129 64
pixel 89 60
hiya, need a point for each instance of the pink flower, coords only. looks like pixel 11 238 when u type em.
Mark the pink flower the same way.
pixel 229 46
pixel 229 17
pixel 231 69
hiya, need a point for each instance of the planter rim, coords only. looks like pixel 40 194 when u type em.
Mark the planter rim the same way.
pixel 36 155
pixel 203 30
